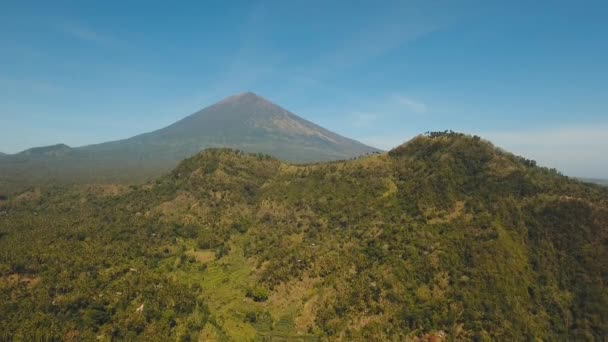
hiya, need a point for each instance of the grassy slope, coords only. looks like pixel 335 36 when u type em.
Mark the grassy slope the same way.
pixel 443 234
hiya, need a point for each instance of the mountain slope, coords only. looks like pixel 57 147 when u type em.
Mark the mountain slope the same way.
pixel 442 238
pixel 46 151
pixel 245 121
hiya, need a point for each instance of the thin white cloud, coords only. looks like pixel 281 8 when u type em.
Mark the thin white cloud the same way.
pixel 86 34
pixel 254 60
pixel 379 34
pixel 374 42
pixel 386 108
pixel 382 32
pixel 411 104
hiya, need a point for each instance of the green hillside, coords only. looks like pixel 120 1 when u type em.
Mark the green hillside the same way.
pixel 443 238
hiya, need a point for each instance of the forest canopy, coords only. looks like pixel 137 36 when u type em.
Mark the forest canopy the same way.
pixel 445 237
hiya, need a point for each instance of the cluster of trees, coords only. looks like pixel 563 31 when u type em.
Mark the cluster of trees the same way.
pixel 447 133
pixel 74 269
pixel 442 235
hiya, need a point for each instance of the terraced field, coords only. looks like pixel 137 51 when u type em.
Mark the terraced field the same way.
pixel 235 316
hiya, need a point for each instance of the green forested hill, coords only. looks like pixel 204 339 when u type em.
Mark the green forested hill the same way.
pixel 442 238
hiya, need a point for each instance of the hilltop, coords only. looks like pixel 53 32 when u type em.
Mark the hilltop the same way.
pixel 443 238
pixel 49 151
pixel 245 121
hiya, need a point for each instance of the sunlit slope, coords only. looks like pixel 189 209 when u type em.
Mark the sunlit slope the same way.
pixel 444 237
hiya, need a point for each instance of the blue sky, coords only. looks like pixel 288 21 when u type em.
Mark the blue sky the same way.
pixel 531 76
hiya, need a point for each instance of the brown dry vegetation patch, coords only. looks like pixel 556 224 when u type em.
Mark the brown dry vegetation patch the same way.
pixel 374 162
pixel 306 318
pixel 184 209
pixel 288 169
pixel 502 167
pixel 31 195
pixel 202 256
pixel 436 217
pixel 18 279
pixel 106 190
pixel 148 186
pixel 437 336
pixel 274 210
pixel 300 295
pixel 289 125
pixel 362 321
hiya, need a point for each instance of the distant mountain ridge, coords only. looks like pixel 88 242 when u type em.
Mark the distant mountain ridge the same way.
pixel 51 150
pixel 599 181
pixel 244 121
pixel 249 122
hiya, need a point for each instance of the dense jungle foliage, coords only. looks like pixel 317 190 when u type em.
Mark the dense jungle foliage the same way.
pixel 443 238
